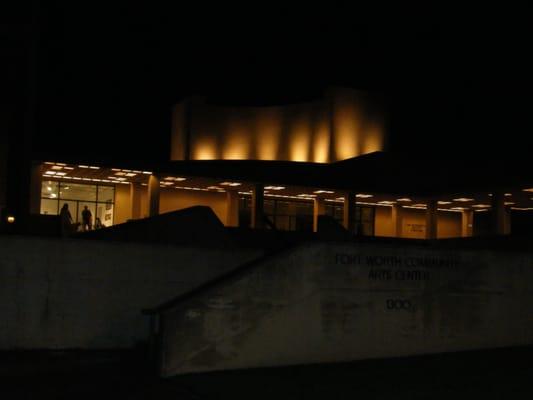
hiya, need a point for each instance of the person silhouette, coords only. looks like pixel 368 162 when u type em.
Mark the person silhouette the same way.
pixel 66 220
pixel 86 219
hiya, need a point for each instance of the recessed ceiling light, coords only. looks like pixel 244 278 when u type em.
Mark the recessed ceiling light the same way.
pixel 363 195
pixel 386 202
pixel 130 174
pixel 444 202
pixel 57 167
pixel 274 187
pixel 83 166
pixel 528 190
pixel 481 206
pixel 229 184
pixel 463 199
pixel 509 203
pixel 404 199
pixel 61 173
pixel 323 191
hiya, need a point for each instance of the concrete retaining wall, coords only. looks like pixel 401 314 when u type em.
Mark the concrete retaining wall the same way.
pixel 89 294
pixel 324 302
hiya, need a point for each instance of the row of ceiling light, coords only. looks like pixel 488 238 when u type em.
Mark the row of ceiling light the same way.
pixel 61 170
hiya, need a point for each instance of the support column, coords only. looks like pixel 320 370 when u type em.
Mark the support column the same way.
pixel 431 219
pixel 348 220
pixel 232 208
pixel 500 218
pixel 153 196
pixel 319 208
pixel 467 223
pixel 396 221
pixel 135 200
pixel 35 189
pixel 258 206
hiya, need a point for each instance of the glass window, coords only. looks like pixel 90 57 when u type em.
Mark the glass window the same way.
pixel 49 190
pixel 106 194
pixel 282 208
pixel 49 207
pixel 104 213
pixel 269 207
pixel 75 191
pixel 55 194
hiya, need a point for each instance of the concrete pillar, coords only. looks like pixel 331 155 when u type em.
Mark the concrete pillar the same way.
pixel 431 219
pixel 348 220
pixel 135 200
pixel 501 224
pixel 232 208
pixel 396 221
pixel 319 208
pixel 258 197
pixel 153 195
pixel 36 181
pixel 467 223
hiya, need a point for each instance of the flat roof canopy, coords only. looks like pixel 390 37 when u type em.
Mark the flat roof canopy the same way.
pixel 375 178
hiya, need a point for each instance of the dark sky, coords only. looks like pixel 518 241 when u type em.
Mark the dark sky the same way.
pixel 457 82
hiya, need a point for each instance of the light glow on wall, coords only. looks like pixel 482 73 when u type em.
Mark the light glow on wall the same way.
pixel 338 126
pixel 268 129
pixel 205 149
pixel 321 141
pixel 236 145
pixel 300 140
pixel 347 132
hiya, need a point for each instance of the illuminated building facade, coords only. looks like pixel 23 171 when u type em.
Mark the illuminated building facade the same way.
pixel 287 168
pixel 345 123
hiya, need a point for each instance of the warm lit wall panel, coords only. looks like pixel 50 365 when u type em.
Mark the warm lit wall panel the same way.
pixel 343 124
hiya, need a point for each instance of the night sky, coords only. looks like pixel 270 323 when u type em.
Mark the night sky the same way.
pixel 457 83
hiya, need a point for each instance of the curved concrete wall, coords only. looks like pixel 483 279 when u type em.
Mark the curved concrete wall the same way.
pixel 345 124
pixel 322 303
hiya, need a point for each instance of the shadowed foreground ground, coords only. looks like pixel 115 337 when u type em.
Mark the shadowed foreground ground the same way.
pixel 494 374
